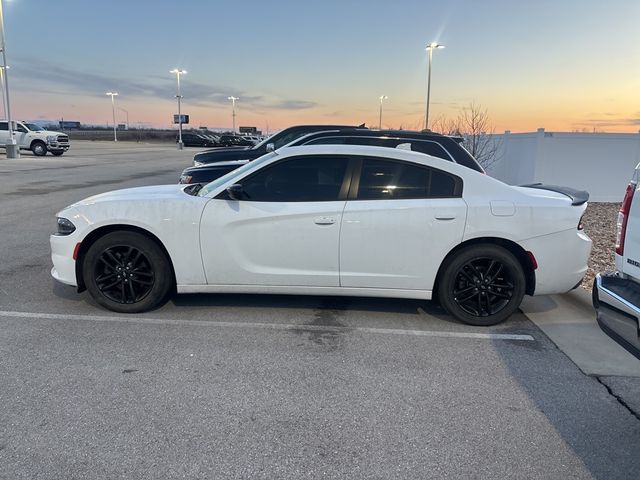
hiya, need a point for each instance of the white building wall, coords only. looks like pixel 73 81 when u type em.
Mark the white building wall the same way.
pixel 601 163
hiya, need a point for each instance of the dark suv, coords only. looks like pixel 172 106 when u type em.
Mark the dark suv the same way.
pixel 434 144
pixel 278 140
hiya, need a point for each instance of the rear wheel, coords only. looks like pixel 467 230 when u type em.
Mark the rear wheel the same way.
pixel 127 272
pixel 482 285
pixel 39 148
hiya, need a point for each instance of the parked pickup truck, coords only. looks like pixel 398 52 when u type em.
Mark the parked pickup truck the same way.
pixel 616 295
pixel 32 137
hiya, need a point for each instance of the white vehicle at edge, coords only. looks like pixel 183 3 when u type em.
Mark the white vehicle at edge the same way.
pixel 616 295
pixel 329 220
pixel 30 136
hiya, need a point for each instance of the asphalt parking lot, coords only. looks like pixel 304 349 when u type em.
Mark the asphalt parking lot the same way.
pixel 241 386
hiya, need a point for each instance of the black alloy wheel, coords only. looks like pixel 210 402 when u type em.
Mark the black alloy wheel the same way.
pixel 123 274
pixel 127 272
pixel 482 284
pixel 483 287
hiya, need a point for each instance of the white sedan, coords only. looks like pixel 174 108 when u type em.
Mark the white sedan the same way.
pixel 329 220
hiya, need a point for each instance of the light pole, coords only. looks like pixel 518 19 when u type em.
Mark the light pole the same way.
pixel 382 98
pixel 11 147
pixel 4 104
pixel 430 48
pixel 113 111
pixel 233 101
pixel 178 72
pixel 127 114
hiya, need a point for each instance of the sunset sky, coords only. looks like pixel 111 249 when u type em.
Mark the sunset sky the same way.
pixel 560 64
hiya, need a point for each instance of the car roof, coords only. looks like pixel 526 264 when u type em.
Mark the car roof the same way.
pixel 342 131
pixel 371 151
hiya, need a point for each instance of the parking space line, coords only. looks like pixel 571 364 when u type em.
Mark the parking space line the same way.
pixel 272 326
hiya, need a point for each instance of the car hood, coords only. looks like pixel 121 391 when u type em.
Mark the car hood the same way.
pixel 226 154
pixel 49 132
pixel 157 192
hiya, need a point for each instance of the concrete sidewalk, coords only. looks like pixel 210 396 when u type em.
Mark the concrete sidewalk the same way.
pixel 569 320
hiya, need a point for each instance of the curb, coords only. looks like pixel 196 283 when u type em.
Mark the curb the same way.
pixel 570 323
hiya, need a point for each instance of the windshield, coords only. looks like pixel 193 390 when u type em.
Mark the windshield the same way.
pixel 33 127
pixel 210 187
pixel 282 138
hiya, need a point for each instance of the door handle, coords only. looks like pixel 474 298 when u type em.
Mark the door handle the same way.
pixel 445 216
pixel 324 220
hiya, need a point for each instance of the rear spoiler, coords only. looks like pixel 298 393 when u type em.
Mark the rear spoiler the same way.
pixel 578 197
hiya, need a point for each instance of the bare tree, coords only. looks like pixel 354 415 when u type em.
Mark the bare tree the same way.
pixel 479 134
pixel 475 127
pixel 446 126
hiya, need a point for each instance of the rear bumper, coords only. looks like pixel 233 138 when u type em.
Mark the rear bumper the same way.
pixel 617 304
pixel 562 260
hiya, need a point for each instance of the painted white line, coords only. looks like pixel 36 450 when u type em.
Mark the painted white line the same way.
pixel 272 326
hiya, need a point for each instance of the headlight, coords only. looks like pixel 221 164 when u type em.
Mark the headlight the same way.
pixel 52 138
pixel 185 179
pixel 65 227
pixel 197 163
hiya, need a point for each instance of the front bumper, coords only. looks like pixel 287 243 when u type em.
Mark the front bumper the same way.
pixel 55 146
pixel 64 266
pixel 617 304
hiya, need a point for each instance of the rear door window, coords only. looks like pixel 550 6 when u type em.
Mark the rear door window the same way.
pixel 382 179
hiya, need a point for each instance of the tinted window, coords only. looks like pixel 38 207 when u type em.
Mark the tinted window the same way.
pixel 288 138
pixel 391 180
pixel 302 179
pixel 442 184
pixel 4 126
pixel 430 148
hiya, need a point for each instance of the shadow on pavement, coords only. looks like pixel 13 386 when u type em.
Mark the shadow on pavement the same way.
pixel 601 432
pixel 386 305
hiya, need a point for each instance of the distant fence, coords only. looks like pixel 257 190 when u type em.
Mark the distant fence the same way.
pixel 124 135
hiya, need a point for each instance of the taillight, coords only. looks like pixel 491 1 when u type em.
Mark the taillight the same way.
pixel 623 216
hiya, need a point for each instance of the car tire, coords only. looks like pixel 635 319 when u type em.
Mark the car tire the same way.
pixel 39 149
pixel 127 272
pixel 482 285
pixel 57 153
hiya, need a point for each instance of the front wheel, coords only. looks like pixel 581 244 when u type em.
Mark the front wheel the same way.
pixel 127 272
pixel 482 285
pixel 39 149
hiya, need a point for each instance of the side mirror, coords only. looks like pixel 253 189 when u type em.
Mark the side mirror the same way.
pixel 271 147
pixel 235 191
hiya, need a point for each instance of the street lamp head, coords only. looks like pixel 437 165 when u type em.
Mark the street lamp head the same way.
pixel 433 45
pixel 113 94
pixel 233 99
pixel 383 97
pixel 178 71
